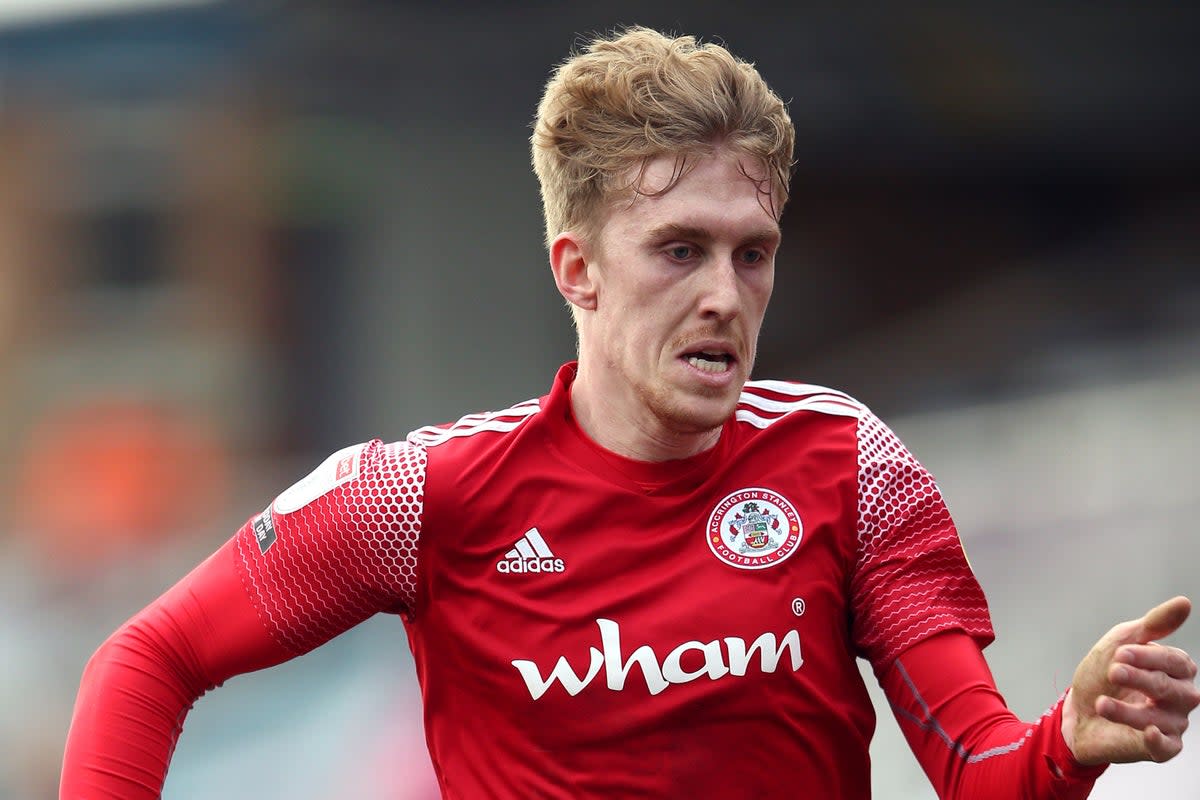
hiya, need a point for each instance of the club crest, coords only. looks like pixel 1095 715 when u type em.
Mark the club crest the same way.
pixel 754 529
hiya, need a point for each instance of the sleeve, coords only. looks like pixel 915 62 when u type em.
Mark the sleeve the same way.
pixel 139 685
pixel 911 579
pixel 331 551
pixel 968 742
pixel 339 545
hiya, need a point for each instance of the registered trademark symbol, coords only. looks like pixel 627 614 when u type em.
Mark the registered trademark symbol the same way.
pixel 798 606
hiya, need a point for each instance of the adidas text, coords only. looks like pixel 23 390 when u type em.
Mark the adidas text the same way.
pixel 531 565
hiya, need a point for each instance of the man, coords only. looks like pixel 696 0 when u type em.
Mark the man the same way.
pixel 653 581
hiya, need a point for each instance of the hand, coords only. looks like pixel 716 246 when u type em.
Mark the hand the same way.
pixel 1130 697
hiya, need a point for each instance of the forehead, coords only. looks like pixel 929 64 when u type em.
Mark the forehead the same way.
pixel 719 164
pixel 718 188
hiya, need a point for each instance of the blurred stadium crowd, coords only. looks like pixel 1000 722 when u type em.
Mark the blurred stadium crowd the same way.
pixel 237 236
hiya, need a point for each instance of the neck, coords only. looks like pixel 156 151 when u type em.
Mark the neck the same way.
pixel 619 423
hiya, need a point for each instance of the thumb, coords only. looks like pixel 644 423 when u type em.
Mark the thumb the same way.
pixel 1163 620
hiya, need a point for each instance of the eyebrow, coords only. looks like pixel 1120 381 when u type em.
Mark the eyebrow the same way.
pixel 671 230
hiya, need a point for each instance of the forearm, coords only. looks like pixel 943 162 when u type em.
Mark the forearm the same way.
pixel 968 742
pixel 254 603
pixel 128 715
pixel 140 684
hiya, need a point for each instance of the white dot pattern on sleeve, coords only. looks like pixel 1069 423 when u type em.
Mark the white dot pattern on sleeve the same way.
pixel 911 579
pixel 344 556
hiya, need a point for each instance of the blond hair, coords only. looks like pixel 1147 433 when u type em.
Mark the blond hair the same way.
pixel 639 95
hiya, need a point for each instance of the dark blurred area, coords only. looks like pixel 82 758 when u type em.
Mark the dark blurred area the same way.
pixel 235 237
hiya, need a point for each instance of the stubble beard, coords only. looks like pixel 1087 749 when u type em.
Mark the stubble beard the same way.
pixel 688 413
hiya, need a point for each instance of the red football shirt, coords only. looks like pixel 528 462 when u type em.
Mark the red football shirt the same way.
pixel 588 625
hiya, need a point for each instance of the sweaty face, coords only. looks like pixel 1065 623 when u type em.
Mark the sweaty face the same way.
pixel 682 281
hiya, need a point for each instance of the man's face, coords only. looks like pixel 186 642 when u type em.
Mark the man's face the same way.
pixel 682 282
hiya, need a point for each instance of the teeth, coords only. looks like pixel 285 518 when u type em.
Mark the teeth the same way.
pixel 709 366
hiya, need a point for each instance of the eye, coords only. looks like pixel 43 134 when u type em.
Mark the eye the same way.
pixel 681 252
pixel 753 257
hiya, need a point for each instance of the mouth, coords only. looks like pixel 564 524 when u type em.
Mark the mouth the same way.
pixel 714 362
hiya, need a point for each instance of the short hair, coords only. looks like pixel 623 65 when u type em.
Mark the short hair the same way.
pixel 638 95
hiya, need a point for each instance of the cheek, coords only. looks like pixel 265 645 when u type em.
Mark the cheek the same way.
pixel 767 284
pixel 760 292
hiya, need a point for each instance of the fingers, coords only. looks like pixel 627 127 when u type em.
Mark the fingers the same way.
pixel 1156 692
pixel 1139 738
pixel 1164 619
pixel 1161 731
pixel 1177 695
pixel 1171 660
pixel 1160 746
pixel 1141 716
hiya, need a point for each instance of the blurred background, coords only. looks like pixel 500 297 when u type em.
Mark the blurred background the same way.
pixel 235 237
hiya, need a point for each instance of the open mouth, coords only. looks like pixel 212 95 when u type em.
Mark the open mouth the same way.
pixel 710 362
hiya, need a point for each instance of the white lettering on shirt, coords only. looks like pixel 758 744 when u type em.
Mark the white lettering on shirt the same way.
pixel 734 660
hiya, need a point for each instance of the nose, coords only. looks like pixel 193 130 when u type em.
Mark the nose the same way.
pixel 721 298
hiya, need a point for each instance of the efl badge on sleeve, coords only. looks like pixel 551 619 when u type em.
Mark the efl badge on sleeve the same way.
pixel 754 529
pixel 339 468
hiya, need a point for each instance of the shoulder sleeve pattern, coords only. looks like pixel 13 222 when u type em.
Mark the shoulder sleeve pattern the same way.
pixel 328 565
pixel 911 578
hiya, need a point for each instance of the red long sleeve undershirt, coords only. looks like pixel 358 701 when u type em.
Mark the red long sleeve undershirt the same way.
pixel 968 743
pixel 140 684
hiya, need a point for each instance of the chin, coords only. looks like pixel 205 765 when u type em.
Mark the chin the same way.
pixel 697 414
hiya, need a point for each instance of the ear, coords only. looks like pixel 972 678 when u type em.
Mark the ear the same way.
pixel 572 275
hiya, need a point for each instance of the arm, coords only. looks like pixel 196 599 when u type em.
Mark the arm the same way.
pixel 140 684
pixel 331 551
pixel 913 592
pixel 1129 701
pixel 968 742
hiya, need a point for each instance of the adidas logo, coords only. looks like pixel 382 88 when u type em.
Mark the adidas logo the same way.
pixel 531 554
